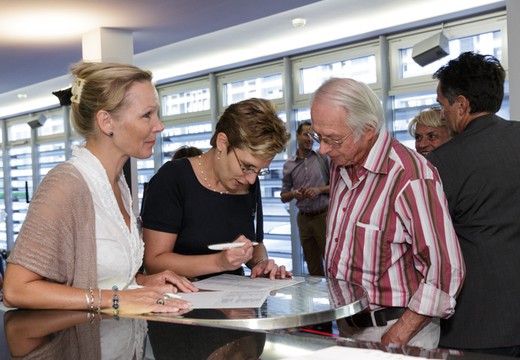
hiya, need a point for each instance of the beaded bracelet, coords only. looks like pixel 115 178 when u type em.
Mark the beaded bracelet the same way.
pixel 99 301
pixel 91 303
pixel 115 300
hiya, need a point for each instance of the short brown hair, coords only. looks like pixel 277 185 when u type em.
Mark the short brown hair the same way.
pixel 253 125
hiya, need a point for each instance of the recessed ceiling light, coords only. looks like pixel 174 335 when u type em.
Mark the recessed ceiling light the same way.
pixel 48 24
pixel 299 22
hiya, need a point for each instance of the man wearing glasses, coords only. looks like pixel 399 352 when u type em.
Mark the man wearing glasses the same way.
pixel 306 179
pixel 388 226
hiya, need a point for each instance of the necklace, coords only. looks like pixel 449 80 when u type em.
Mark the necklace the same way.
pixel 208 184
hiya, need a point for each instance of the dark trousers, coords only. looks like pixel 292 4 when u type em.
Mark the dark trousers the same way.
pixel 312 237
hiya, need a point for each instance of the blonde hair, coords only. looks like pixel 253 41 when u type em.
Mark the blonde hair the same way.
pixel 104 86
pixel 428 117
pixel 254 126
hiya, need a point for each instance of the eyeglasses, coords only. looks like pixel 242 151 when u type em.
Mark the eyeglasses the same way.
pixel 248 170
pixel 319 139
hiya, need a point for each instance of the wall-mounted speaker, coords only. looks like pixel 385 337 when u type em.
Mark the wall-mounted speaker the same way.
pixel 38 122
pixel 431 49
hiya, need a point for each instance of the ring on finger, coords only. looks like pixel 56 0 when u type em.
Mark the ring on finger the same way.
pixel 160 301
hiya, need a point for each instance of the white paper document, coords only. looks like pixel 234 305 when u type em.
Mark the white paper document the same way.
pixel 239 283
pixel 225 299
pixel 340 352
pixel 234 291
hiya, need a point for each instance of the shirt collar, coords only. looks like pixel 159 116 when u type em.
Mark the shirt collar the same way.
pixel 378 157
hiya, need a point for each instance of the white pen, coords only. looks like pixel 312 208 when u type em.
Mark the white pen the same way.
pixel 229 245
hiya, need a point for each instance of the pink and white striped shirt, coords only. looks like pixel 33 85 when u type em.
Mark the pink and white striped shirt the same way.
pixel 391 232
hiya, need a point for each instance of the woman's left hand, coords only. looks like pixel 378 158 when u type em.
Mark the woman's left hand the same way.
pixel 167 277
pixel 268 268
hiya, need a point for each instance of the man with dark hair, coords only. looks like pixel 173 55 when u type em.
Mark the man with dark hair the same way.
pixel 306 179
pixel 480 171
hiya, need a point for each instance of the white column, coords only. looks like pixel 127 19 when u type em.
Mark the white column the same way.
pixel 114 45
pixel 108 45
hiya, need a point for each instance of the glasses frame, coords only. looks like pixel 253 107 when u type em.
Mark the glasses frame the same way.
pixel 331 142
pixel 250 171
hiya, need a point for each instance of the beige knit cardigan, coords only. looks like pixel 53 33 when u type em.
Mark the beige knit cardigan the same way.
pixel 57 239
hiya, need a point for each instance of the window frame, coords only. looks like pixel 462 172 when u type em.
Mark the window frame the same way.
pixel 453 30
pixel 343 53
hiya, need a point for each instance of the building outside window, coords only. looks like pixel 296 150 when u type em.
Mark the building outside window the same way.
pixel 190 109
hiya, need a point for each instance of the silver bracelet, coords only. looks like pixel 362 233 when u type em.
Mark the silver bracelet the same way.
pixel 86 297
pixel 259 262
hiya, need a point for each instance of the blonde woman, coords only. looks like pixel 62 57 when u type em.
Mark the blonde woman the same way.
pixel 79 247
pixel 429 130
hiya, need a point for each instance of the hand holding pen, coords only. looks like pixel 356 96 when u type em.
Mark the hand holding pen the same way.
pixel 234 254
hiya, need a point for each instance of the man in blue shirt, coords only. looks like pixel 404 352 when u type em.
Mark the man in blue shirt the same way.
pixel 306 179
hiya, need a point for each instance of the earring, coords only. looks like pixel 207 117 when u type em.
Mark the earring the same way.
pixel 218 156
pixel 111 134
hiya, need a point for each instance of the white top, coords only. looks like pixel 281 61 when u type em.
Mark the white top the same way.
pixel 119 250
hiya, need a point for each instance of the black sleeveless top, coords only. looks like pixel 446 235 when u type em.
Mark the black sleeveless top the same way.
pixel 177 203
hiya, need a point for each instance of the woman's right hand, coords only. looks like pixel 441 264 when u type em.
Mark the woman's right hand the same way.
pixel 157 298
pixel 233 258
pixel 167 277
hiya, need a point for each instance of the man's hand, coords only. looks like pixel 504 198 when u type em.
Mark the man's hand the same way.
pixel 405 328
pixel 311 192
pixel 299 194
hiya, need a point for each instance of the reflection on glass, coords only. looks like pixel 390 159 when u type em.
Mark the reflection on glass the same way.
pixel 20 163
pixel 52 126
pixel 362 69
pixel 266 87
pixel 191 134
pixel 177 341
pixel 185 102
pixel 53 334
pixel 50 155
pixel 18 132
